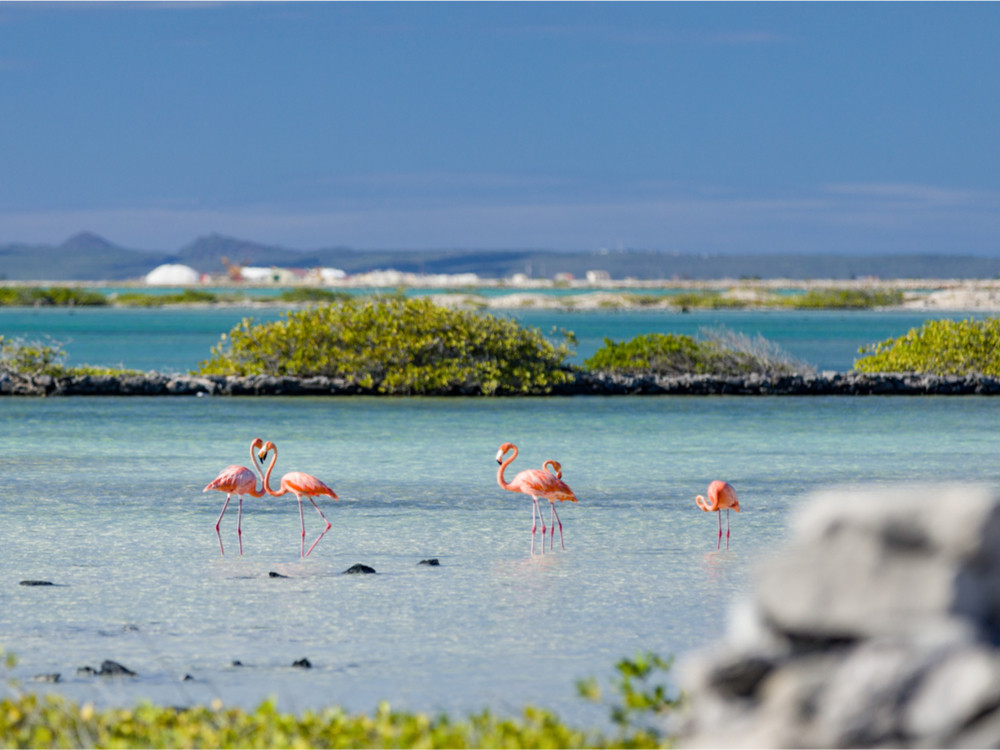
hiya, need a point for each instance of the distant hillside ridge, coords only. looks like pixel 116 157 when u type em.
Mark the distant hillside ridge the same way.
pixel 89 257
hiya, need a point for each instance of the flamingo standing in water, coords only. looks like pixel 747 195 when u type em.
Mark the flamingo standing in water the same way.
pixel 556 468
pixel 720 495
pixel 301 485
pixel 239 481
pixel 536 483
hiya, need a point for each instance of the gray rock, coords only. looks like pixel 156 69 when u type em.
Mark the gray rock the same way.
pixel 359 568
pixel 877 626
pixel 111 668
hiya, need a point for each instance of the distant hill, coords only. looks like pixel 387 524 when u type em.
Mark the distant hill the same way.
pixel 89 257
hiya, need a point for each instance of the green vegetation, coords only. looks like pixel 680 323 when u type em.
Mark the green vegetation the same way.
pixel 710 300
pixel 32 721
pixel 939 347
pixel 396 346
pixel 308 294
pixel 23 296
pixel 187 297
pixel 30 358
pixel 719 352
pixel 844 298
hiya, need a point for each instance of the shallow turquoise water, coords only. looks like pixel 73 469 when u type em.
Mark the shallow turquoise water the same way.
pixel 103 496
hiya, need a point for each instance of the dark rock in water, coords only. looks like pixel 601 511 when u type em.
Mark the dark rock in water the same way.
pixel 358 568
pixel 303 663
pixel 86 671
pixel 237 663
pixel 274 574
pixel 114 669
pixel 37 583
pixel 187 678
pixel 130 628
pixel 433 561
pixel 51 677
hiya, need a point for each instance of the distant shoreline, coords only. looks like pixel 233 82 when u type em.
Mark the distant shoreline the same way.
pixel 945 295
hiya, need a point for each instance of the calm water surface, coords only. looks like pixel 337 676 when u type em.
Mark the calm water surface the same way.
pixel 103 497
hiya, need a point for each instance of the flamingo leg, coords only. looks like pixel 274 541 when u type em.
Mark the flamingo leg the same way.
pixel 219 533
pixel 302 520
pixel 328 525
pixel 719 543
pixel 541 520
pixel 727 528
pixel 239 522
pixel 534 525
pixel 552 539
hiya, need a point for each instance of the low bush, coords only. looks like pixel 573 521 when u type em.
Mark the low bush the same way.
pixel 306 295
pixel 187 297
pixel 25 296
pixel 30 358
pixel 396 346
pixel 718 352
pixel 861 299
pixel 939 347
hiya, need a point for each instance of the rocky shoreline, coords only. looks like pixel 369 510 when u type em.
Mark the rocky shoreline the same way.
pixel 584 384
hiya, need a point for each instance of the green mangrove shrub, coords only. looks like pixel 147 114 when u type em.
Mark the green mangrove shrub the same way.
pixel 21 357
pixel 57 296
pixel 844 299
pixel 718 352
pixel 186 297
pixel 29 358
pixel 396 346
pixel 938 347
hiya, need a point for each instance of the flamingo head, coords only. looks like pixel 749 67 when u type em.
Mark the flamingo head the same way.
pixel 268 447
pixel 555 467
pixel 504 449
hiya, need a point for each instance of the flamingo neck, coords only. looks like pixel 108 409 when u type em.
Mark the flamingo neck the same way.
pixel 705 505
pixel 507 462
pixel 255 462
pixel 267 477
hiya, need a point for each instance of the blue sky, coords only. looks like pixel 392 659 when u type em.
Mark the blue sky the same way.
pixel 682 127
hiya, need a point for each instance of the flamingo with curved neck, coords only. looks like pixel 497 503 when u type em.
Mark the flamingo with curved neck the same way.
pixel 237 480
pixel 720 495
pixel 536 483
pixel 301 485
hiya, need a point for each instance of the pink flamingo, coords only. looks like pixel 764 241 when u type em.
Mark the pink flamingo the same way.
pixel 556 468
pixel 720 495
pixel 239 481
pixel 536 483
pixel 301 485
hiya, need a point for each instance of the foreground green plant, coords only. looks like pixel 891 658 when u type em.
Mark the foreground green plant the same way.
pixel 718 352
pixel 34 721
pixel 939 347
pixel 396 346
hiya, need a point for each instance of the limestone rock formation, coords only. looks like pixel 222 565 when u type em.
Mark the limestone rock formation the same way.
pixel 877 626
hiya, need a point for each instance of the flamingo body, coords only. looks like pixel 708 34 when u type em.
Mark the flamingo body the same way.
pixel 721 496
pixel 536 483
pixel 236 480
pixel 301 485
